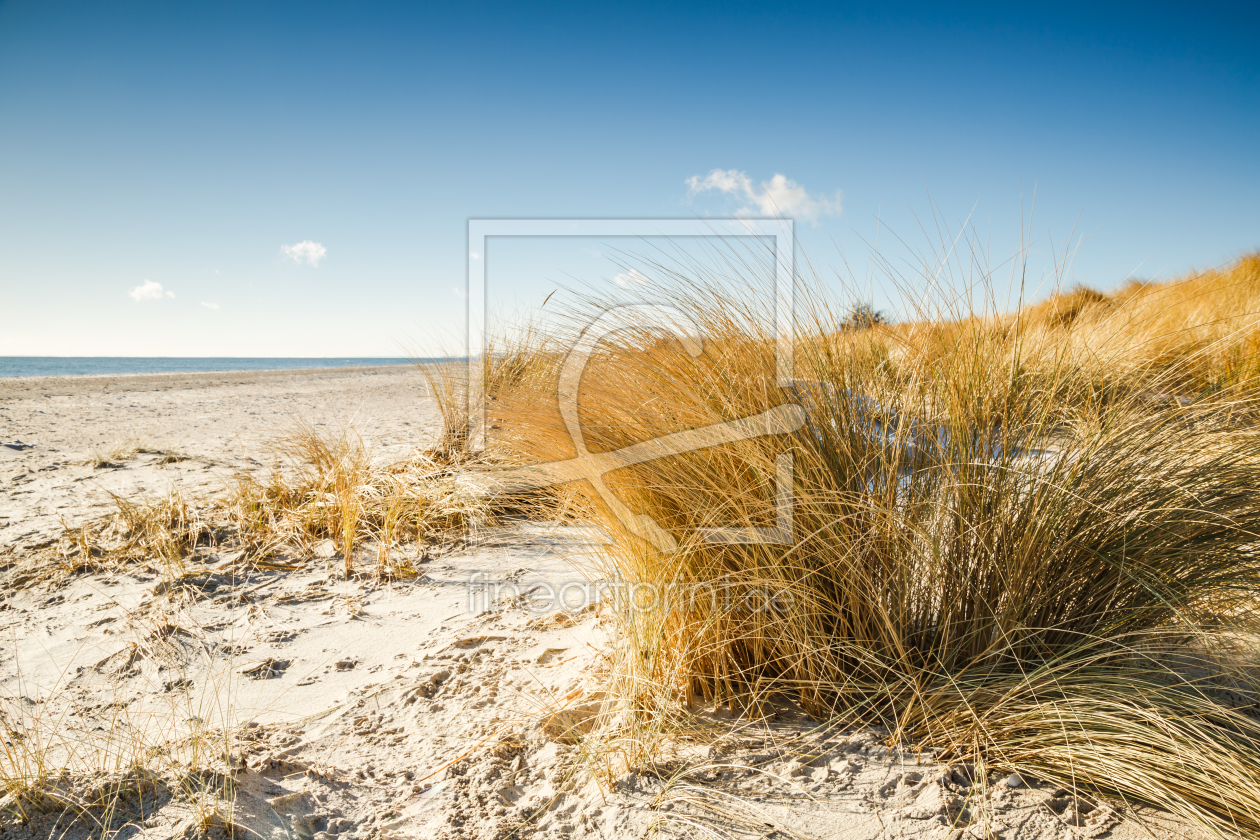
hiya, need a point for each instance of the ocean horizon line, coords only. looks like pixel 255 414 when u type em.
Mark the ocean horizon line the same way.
pixel 13 367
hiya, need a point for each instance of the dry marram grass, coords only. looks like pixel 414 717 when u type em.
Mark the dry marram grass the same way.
pixel 1027 540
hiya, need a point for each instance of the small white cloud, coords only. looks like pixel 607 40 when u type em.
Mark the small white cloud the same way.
pixel 305 251
pixel 459 293
pixel 723 180
pixel 630 279
pixel 474 255
pixel 780 196
pixel 208 305
pixel 148 290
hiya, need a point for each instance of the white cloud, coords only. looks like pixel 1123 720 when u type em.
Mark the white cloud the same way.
pixel 780 196
pixel 149 290
pixel 305 251
pixel 210 305
pixel 474 255
pixel 724 180
pixel 630 279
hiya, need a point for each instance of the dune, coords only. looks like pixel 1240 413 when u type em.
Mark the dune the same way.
pixel 284 604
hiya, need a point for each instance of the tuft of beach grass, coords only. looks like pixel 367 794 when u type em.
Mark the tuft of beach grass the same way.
pixel 1026 540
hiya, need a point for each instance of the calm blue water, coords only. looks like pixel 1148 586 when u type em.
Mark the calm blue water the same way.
pixel 80 365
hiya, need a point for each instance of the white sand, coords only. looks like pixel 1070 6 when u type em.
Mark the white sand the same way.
pixel 412 709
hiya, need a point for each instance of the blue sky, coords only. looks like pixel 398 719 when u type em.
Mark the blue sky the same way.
pixel 185 146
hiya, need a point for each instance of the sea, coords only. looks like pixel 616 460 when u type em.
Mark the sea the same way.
pixel 11 366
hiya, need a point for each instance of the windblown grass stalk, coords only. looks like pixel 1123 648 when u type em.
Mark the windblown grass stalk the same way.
pixel 1003 545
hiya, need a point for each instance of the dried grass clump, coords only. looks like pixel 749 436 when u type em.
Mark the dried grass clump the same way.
pixel 448 384
pixel 323 487
pixel 528 359
pixel 1000 546
pixel 60 773
pixel 326 487
pixel 164 532
pixel 113 455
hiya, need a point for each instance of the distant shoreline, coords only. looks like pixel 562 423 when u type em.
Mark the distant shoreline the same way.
pixel 45 367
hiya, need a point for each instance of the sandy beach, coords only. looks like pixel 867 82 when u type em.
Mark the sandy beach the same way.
pixel 50 427
pixel 451 704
